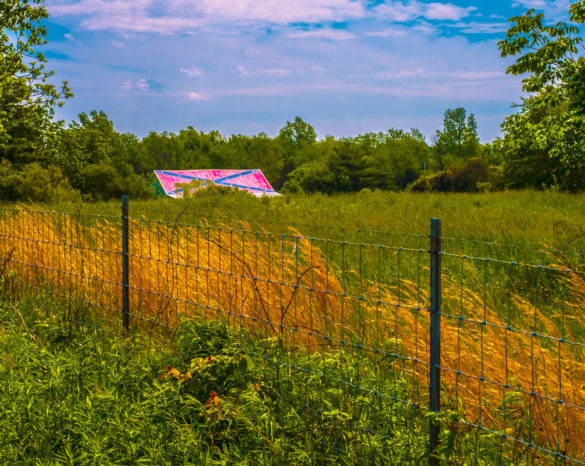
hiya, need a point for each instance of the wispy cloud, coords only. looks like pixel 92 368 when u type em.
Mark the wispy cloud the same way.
pixel 327 34
pixel 422 73
pixel 277 72
pixel 192 71
pixel 275 11
pixel 447 11
pixel 138 16
pixel 474 27
pixel 551 8
pixel 243 72
pixel 442 89
pixel 133 24
pixel 142 85
pixel 425 27
pixel 387 33
pixel 193 96
pixel 185 15
pixel 400 11
pixel 274 72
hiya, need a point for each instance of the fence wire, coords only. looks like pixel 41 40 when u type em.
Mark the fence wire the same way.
pixel 512 338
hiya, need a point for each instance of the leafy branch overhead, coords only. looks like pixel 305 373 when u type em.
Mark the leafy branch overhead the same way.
pixel 543 142
pixel 547 51
pixel 24 80
pixel 27 97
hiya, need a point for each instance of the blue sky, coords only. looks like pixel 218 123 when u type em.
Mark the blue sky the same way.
pixel 246 66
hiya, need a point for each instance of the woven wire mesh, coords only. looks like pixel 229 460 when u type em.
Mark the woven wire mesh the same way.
pixel 512 342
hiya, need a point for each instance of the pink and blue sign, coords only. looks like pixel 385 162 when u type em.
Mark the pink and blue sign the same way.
pixel 252 181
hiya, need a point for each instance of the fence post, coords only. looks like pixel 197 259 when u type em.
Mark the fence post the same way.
pixel 435 356
pixel 125 266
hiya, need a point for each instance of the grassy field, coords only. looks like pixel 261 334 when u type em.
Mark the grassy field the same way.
pixel 532 218
pixel 341 285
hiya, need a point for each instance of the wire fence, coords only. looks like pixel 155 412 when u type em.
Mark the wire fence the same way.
pixel 480 346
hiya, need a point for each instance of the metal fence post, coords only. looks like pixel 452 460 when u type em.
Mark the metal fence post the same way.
pixel 125 266
pixel 435 356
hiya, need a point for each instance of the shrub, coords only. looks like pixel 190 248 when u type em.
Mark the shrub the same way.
pixel 472 176
pixel 35 183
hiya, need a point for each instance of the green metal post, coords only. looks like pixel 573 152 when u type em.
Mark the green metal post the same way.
pixel 125 266
pixel 435 356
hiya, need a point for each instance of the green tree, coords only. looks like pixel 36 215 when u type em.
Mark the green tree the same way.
pixel 543 142
pixel 27 103
pixel 458 140
pixel 27 98
pixel 97 159
pixel 403 157
pixel 258 152
pixel 165 151
pixel 297 140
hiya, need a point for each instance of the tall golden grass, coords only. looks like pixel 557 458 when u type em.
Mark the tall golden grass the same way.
pixel 285 286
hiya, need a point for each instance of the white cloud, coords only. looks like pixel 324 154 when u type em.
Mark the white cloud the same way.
pixel 400 11
pixel 387 33
pixel 118 44
pixel 445 89
pixel 481 28
pixel 276 72
pixel 85 7
pixel 70 37
pixel 275 11
pixel 479 75
pixel 243 72
pixel 187 15
pixel 133 24
pixel 400 74
pixel 529 3
pixel 447 11
pixel 192 71
pixel 422 73
pixel 196 96
pixel 551 8
pixel 425 27
pixel 328 34
pixel 142 85
pixel 132 17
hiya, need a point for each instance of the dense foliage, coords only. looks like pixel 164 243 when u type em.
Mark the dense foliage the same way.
pixel 542 147
pixel 27 102
pixel 83 395
pixel 543 142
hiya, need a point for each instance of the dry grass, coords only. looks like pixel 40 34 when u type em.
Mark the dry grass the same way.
pixel 286 286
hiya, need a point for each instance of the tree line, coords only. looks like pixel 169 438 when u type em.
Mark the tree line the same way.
pixel 542 144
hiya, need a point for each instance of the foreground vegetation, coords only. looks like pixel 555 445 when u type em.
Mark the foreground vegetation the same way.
pixel 198 395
